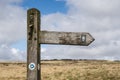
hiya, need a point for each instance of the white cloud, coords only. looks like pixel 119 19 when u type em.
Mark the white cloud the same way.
pixel 12 29
pixel 12 21
pixel 10 1
pixel 43 50
pixel 98 17
pixel 11 54
pixel 94 7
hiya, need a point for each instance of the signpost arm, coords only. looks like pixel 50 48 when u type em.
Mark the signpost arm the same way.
pixel 35 37
pixel 65 38
pixel 33 46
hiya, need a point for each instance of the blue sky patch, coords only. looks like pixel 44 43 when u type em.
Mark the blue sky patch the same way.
pixel 46 6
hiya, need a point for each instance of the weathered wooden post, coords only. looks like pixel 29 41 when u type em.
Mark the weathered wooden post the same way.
pixel 33 47
pixel 35 37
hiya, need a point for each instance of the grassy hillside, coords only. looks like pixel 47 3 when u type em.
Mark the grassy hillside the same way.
pixel 65 70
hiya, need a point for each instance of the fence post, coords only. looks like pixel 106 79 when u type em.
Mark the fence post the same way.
pixel 33 46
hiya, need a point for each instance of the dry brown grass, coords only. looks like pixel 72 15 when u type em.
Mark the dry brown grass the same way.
pixel 12 71
pixel 65 70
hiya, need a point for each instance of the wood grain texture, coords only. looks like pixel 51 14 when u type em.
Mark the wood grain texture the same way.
pixel 33 47
pixel 65 38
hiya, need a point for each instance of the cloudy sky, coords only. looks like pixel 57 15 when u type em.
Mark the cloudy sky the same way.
pixel 101 18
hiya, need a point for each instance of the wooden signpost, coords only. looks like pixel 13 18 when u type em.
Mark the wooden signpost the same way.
pixel 35 37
